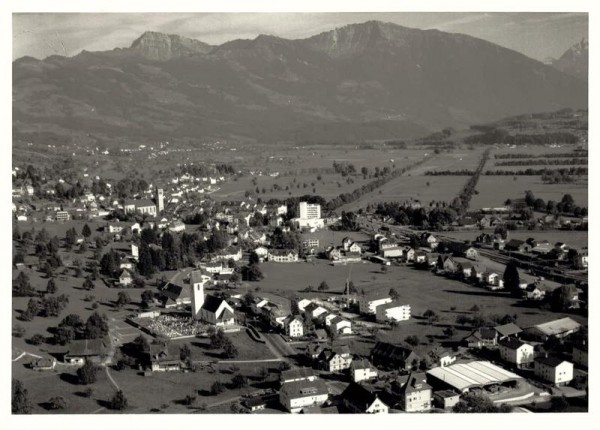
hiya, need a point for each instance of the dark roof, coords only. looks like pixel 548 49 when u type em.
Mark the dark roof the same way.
pixel 359 396
pixel 86 347
pixel 446 393
pixel 414 382
pixel 390 351
pixel 173 291
pixel 212 303
pixel 298 389
pixel 508 329
pixel 551 361
pixel 511 343
pixel 299 373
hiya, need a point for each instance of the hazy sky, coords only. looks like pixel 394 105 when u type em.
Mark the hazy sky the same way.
pixel 538 35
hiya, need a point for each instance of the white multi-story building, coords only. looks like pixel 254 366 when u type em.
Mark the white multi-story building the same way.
pixel 554 370
pixel 294 327
pixel 392 311
pixel 515 351
pixel 368 304
pixel 309 211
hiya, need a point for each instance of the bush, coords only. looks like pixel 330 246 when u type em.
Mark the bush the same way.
pixel 217 388
pixel 119 401
pixel 57 402
pixel 88 373
pixel 36 339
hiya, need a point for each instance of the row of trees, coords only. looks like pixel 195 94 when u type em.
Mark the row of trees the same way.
pixel 567 171
pixel 346 198
pixel 461 203
pixel 543 162
pixel 517 155
pixel 419 217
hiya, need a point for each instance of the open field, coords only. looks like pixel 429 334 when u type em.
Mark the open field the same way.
pixel 459 159
pixel 413 187
pixel 160 392
pixel 421 289
pixel 494 190
pixel 295 179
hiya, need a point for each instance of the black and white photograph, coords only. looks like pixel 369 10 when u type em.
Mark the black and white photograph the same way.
pixel 298 212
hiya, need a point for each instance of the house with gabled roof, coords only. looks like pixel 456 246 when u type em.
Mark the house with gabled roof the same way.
pixel 86 349
pixel 508 330
pixel 125 278
pixel 553 369
pixel 175 295
pixel 414 392
pixel 359 399
pixel 164 357
pixel 294 396
pixel 335 359
pixel 388 355
pixel 515 351
pixel 362 370
pixel 482 337
pixel 293 326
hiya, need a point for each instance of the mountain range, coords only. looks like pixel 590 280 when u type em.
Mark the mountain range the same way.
pixel 574 61
pixel 363 81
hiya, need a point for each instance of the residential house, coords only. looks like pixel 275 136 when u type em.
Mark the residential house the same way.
pixel 42 364
pixel 299 374
pixel 341 325
pixel 508 330
pixel 414 392
pixel 516 245
pixel 164 357
pixel 283 256
pixel 335 359
pixel 125 278
pixel 294 326
pixel 553 370
pixel 392 356
pixel 493 280
pixel 314 310
pixel 515 351
pixel 262 253
pixel 362 370
pixel 302 304
pixel 86 349
pixel 294 396
pixel 482 337
pixel 359 399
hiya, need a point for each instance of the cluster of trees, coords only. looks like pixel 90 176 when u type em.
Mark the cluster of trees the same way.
pixel 478 403
pixel 543 162
pixel 461 203
pixel 73 327
pixel 565 206
pixel 558 177
pixel 344 169
pixel 48 306
pixel 128 187
pixel 45 248
pixel 204 170
pixel 20 403
pixel 218 340
pixel 419 217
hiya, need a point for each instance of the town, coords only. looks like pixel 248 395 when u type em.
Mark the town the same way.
pixel 283 306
